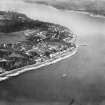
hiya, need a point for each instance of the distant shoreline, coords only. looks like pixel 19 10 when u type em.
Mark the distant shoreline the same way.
pixel 86 12
pixel 92 13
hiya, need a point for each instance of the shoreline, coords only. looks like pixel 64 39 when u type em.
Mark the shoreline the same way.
pixel 79 11
pixel 15 72
pixel 86 13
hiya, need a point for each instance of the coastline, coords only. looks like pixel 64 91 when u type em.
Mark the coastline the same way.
pixel 18 71
pixel 79 11
pixel 86 13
